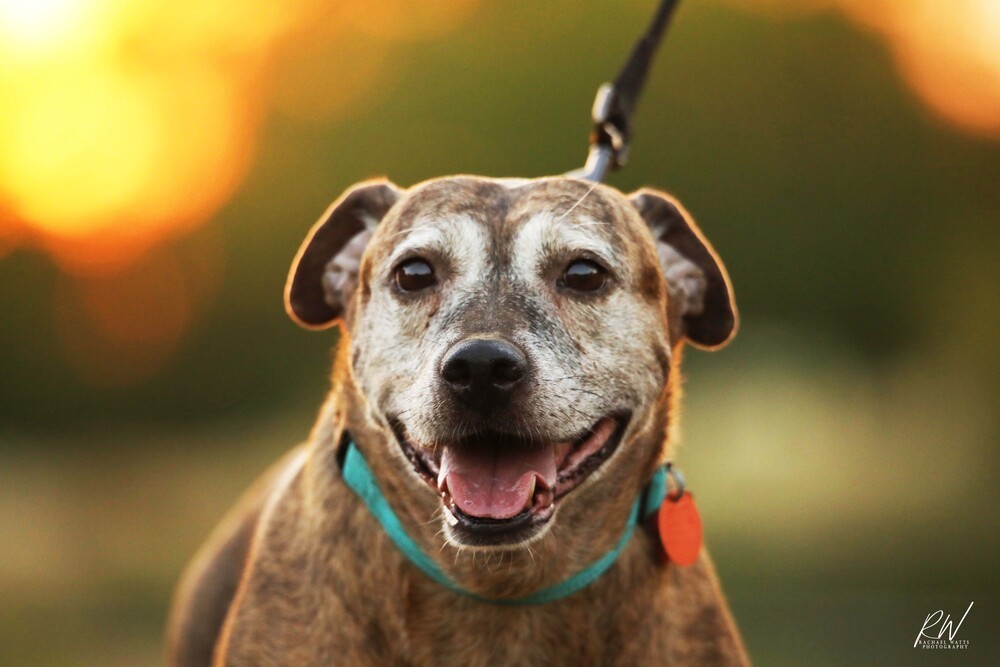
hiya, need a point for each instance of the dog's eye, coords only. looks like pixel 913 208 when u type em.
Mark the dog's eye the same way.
pixel 583 275
pixel 414 275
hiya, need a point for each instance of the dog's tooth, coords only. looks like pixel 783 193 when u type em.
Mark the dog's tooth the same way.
pixel 450 517
pixel 531 492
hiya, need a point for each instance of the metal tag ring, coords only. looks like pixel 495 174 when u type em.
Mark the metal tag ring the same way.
pixel 679 485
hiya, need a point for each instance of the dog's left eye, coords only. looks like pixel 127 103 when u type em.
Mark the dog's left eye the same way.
pixel 414 275
pixel 583 275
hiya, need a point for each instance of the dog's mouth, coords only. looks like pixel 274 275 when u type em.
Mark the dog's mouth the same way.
pixel 500 489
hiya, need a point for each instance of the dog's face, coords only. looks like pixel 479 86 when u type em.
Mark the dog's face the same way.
pixel 513 337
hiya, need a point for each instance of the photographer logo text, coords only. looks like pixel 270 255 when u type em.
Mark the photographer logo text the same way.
pixel 939 631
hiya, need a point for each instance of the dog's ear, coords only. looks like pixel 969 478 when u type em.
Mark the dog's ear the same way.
pixel 325 271
pixel 701 300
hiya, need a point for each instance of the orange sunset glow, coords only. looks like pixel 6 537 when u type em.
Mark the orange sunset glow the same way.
pixel 127 124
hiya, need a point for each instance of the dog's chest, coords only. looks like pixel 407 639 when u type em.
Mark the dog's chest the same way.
pixel 594 629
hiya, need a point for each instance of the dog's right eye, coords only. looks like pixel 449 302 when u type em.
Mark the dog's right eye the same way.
pixel 414 275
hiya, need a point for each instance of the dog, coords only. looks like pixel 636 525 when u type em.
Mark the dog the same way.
pixel 507 368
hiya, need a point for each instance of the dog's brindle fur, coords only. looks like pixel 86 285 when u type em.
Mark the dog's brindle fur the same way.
pixel 301 573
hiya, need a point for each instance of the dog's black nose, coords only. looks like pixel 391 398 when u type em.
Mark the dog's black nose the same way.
pixel 483 371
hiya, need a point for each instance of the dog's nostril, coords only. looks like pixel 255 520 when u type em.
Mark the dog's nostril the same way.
pixel 507 371
pixel 481 366
pixel 456 371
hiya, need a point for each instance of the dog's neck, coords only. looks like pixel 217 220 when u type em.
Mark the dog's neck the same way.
pixel 579 536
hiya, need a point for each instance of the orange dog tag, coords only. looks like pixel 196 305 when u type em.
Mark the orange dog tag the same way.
pixel 680 529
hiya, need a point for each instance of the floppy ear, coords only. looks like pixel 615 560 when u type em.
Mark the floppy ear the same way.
pixel 325 271
pixel 701 299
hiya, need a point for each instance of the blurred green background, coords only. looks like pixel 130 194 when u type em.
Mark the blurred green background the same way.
pixel 842 448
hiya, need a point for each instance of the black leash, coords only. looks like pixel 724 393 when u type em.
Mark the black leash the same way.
pixel 615 102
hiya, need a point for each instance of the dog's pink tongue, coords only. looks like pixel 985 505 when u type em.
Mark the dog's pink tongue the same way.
pixel 497 483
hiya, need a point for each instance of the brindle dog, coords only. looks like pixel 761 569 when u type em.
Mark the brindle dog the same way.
pixel 508 366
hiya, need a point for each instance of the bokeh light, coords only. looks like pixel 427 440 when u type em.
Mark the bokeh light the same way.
pixel 949 52
pixel 120 130
pixel 126 125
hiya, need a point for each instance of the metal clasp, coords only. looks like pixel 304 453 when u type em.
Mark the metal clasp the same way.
pixel 608 142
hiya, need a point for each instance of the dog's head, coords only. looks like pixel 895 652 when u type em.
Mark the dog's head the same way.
pixel 513 338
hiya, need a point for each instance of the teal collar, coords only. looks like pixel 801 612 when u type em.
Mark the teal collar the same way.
pixel 360 479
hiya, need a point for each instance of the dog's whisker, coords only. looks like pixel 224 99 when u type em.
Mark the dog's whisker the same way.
pixel 584 391
pixel 561 379
pixel 578 202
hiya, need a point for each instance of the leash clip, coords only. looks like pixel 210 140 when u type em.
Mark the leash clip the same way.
pixel 606 124
pixel 608 140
